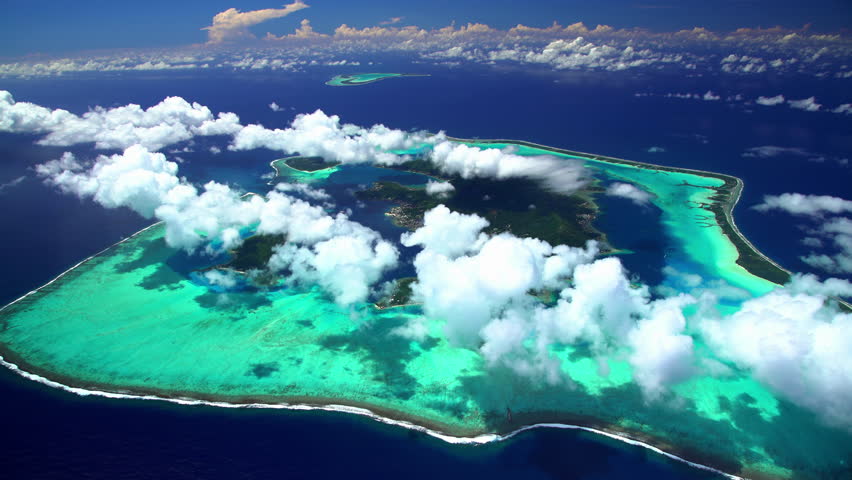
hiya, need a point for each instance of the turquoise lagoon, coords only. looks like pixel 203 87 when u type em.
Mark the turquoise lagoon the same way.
pixel 132 320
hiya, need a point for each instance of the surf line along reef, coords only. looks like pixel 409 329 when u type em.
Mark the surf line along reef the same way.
pixel 137 320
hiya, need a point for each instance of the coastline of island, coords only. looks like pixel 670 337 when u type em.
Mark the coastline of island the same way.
pixel 376 413
pixel 389 416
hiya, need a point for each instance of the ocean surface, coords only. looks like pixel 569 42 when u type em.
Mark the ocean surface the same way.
pixel 53 434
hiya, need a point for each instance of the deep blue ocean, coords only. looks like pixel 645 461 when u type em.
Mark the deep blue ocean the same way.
pixel 53 434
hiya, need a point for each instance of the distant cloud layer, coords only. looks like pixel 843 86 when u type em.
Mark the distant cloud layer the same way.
pixel 696 52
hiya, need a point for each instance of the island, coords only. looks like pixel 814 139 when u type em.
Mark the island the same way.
pixel 303 164
pixel 517 206
pixel 137 321
pixel 357 79
pixel 721 203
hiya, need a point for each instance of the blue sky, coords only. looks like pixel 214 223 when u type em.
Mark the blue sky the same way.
pixel 58 26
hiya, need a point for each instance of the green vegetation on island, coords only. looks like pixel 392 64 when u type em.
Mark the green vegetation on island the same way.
pixel 254 253
pixel 309 164
pixel 399 295
pixel 518 206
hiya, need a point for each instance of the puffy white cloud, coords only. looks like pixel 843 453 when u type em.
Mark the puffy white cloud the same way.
pixel 710 96
pixel 558 175
pixel 838 263
pixel 797 344
pixel 23 117
pixel 839 230
pixel 806 104
pixel 171 121
pixel 655 149
pixel 770 101
pixel 601 309
pixel 346 266
pixel 799 204
pixel 845 108
pixel 630 192
pixel 222 279
pixel 439 189
pixel 342 256
pixel 662 353
pixel 468 280
pixel 304 190
pixel 480 286
pixel 448 233
pixel 233 24
pixel 194 219
pixel 788 330
pixel 810 284
pixel 769 151
pixel 137 179
pixel 318 134
pixel 415 329
pixel 275 107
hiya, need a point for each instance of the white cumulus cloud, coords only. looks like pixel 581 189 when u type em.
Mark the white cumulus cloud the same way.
pixel 807 104
pixel 439 189
pixel 797 345
pixel 770 101
pixel 809 205
pixel 171 121
pixel 342 256
pixel 232 24
pixel 630 192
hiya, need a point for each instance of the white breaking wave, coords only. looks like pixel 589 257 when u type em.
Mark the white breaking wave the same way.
pixel 476 440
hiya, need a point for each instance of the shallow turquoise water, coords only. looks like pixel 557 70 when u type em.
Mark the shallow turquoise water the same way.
pixel 131 319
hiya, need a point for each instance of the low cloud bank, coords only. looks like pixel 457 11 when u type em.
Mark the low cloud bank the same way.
pixel 171 121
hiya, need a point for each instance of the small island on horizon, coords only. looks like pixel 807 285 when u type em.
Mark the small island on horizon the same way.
pixel 357 79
